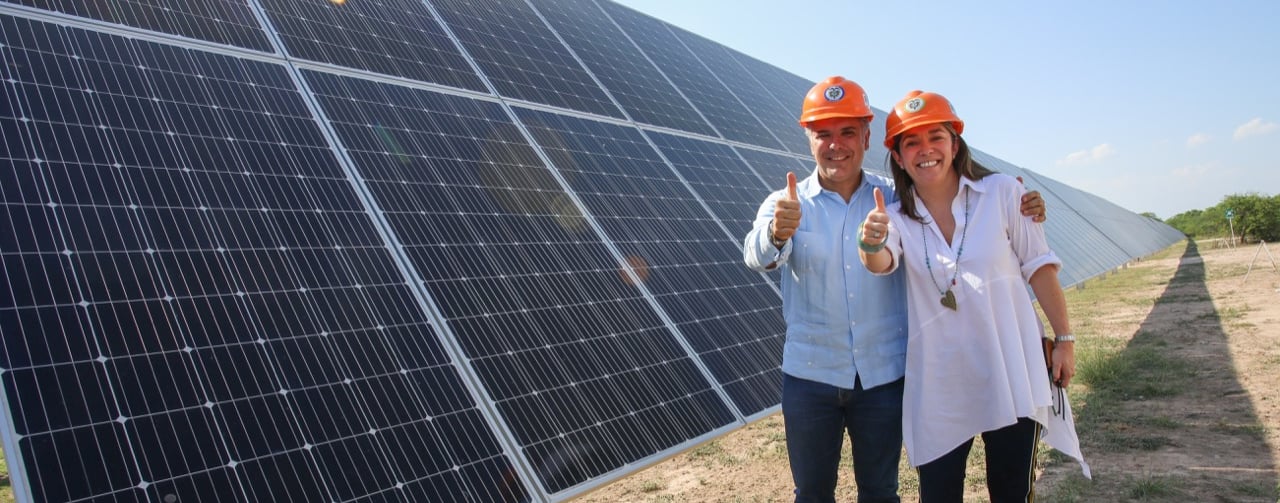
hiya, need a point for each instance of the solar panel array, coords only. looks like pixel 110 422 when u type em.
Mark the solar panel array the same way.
pixel 393 250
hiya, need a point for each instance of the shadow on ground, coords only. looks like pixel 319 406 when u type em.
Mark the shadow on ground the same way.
pixel 1176 404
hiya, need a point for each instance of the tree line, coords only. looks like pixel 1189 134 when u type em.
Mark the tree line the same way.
pixel 1254 217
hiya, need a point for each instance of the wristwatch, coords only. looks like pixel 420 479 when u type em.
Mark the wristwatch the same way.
pixel 777 243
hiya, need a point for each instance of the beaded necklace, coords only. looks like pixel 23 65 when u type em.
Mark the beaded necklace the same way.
pixel 948 297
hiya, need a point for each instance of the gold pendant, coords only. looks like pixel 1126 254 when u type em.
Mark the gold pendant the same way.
pixel 949 300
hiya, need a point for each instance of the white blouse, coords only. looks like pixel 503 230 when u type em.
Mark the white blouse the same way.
pixel 980 367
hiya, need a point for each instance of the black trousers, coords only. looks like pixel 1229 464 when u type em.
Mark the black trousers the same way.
pixel 1011 458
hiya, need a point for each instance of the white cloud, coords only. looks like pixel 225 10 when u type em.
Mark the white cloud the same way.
pixel 1195 171
pixel 1197 140
pixel 1255 127
pixel 1092 155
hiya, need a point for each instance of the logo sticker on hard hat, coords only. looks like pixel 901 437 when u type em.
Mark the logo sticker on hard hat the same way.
pixel 834 93
pixel 914 105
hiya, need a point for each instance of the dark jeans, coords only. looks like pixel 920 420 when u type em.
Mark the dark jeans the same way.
pixel 817 416
pixel 1011 457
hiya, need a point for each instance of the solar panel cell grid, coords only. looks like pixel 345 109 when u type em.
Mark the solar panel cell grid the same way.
pixel 691 265
pixel 643 91
pixel 227 22
pixel 391 37
pixel 788 89
pixel 166 361
pixel 746 86
pixel 727 184
pixel 522 57
pixel 716 102
pixel 530 293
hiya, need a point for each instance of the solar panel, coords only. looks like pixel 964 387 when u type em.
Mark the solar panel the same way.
pixel 757 100
pixel 229 22
pixel 710 96
pixel 773 168
pixel 391 37
pixel 522 57
pixel 787 88
pixel 729 187
pixel 203 309
pixel 1070 234
pixel 582 370
pixel 391 249
pixel 644 92
pixel 728 314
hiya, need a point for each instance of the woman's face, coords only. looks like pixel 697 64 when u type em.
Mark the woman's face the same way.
pixel 927 152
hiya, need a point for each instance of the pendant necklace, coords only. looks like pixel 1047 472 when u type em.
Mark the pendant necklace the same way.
pixel 948 297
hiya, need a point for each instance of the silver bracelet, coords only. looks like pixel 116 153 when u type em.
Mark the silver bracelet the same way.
pixel 1065 338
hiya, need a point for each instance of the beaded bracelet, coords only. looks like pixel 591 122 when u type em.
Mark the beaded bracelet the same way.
pixel 870 249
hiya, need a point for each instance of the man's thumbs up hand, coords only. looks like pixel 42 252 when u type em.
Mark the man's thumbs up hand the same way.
pixel 786 213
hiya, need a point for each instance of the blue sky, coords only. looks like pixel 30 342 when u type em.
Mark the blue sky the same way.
pixel 1159 106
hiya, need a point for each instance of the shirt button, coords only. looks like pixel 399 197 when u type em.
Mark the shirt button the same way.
pixel 848 267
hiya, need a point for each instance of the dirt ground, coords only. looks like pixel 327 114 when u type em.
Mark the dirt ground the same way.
pixel 1213 438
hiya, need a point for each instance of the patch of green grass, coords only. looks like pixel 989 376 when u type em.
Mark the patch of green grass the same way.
pixel 1112 427
pixel 6 486
pixel 1139 301
pixel 1255 489
pixel 1136 373
pixel 976 469
pixel 713 453
pixel 1255 430
pixel 1232 313
pixel 652 486
pixel 1227 271
pixel 1159 422
pixel 709 449
pixel 1069 490
pixel 1127 441
pixel 1174 250
pixel 1153 487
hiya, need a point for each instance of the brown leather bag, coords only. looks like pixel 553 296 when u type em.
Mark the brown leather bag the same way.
pixel 1058 408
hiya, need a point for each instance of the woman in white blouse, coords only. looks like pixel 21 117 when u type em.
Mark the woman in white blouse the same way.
pixel 975 362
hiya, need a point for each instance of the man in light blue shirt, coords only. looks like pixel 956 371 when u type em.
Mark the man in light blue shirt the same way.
pixel 845 353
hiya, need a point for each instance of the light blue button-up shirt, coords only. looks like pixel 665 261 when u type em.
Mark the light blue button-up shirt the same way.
pixel 842 321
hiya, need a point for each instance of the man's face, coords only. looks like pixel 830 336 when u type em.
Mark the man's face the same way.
pixel 838 146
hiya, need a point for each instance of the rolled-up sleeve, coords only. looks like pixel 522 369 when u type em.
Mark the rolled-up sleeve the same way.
pixel 758 251
pixel 1027 237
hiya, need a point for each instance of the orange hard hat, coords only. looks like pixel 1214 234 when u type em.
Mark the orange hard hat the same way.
pixel 917 109
pixel 835 97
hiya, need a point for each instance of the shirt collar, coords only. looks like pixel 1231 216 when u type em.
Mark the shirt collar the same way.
pixel 809 187
pixel 977 186
pixel 974 185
